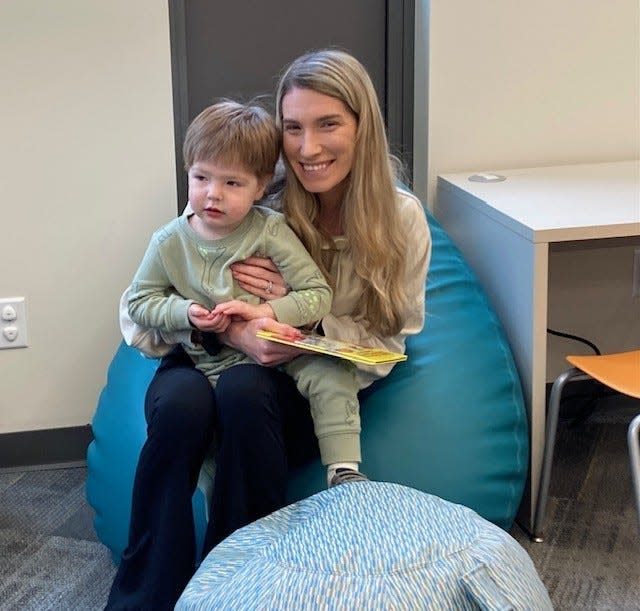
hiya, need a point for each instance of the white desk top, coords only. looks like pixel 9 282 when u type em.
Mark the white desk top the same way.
pixel 560 203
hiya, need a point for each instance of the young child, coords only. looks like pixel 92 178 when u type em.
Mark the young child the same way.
pixel 185 281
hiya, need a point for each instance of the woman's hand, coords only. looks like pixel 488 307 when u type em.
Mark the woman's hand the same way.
pixel 204 320
pixel 244 311
pixel 241 335
pixel 260 277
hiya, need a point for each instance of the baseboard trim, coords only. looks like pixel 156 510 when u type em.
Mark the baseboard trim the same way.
pixel 45 448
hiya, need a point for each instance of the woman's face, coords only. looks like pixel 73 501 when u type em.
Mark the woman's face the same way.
pixel 319 138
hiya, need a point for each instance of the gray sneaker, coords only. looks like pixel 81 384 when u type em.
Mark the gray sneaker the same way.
pixel 346 476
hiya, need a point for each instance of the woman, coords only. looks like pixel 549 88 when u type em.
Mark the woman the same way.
pixel 373 245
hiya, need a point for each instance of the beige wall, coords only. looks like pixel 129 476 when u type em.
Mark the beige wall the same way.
pixel 590 295
pixel 524 84
pixel 86 155
pixel 86 173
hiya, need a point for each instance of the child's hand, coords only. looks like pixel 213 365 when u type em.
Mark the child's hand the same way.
pixel 244 311
pixel 197 313
pixel 204 320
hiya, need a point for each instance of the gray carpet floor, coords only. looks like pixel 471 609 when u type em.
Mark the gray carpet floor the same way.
pixel 590 558
pixel 50 558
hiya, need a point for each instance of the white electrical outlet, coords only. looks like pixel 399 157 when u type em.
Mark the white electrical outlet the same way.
pixel 635 285
pixel 13 323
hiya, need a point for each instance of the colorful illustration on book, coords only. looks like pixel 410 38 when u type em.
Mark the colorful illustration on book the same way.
pixel 340 349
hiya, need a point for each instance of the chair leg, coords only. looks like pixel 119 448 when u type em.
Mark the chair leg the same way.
pixel 549 447
pixel 634 458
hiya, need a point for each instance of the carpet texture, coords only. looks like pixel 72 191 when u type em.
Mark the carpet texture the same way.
pixel 591 556
pixel 49 555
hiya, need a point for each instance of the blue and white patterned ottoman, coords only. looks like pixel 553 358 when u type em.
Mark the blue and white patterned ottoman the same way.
pixel 368 545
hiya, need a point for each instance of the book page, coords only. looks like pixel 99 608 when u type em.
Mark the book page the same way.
pixel 333 347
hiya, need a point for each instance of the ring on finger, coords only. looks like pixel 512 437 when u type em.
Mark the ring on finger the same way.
pixel 268 288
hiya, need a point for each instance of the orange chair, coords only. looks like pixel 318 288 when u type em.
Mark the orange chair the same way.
pixel 621 372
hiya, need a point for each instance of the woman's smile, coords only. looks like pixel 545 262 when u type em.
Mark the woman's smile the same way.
pixel 315 170
pixel 314 167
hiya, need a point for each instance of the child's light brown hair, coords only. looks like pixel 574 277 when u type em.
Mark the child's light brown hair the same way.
pixel 234 133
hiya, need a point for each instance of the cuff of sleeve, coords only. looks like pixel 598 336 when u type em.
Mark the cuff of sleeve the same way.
pixel 179 315
pixel 285 311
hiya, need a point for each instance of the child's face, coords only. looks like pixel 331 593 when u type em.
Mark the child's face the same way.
pixel 221 195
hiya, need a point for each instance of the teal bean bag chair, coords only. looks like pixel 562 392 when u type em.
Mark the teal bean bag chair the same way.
pixel 450 421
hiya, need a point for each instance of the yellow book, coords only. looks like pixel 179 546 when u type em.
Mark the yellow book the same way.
pixel 334 347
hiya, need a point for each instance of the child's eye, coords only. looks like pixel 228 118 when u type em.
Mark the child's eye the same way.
pixel 233 183
pixel 199 177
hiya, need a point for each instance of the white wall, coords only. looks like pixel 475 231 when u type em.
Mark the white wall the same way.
pixel 522 84
pixel 525 84
pixel 86 154
pixel 86 173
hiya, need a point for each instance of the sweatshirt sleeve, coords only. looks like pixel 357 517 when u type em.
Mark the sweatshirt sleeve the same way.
pixel 310 296
pixel 348 329
pixel 151 300
pixel 153 343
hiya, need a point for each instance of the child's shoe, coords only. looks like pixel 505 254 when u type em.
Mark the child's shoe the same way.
pixel 346 476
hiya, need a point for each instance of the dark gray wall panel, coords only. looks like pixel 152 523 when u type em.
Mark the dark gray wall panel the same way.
pixel 238 49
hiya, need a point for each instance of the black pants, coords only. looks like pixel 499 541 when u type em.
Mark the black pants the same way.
pixel 262 425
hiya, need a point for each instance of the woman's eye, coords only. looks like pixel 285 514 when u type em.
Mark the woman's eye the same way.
pixel 329 124
pixel 291 129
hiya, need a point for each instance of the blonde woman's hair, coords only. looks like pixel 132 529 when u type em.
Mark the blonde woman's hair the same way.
pixel 231 132
pixel 370 216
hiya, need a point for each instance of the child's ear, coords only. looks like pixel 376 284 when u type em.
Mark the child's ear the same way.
pixel 262 185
